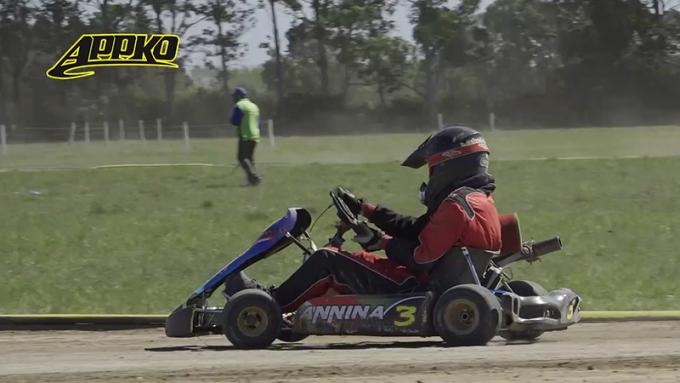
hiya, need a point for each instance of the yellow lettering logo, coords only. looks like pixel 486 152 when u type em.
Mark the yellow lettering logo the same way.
pixel 115 49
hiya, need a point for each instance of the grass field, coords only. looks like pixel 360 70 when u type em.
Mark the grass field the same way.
pixel 506 145
pixel 139 240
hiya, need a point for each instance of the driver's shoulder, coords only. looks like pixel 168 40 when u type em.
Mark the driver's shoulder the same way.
pixel 467 200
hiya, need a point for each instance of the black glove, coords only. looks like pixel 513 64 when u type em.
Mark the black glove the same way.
pixel 352 202
pixel 367 237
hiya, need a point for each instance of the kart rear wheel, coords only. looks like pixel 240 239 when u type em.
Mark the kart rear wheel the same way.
pixel 527 288
pixel 525 335
pixel 524 289
pixel 251 319
pixel 287 335
pixel 467 315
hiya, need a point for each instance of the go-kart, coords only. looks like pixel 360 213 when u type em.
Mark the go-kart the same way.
pixel 462 315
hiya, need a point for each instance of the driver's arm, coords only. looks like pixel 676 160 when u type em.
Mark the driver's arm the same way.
pixel 394 224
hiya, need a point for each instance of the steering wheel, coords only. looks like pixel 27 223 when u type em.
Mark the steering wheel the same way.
pixel 348 220
pixel 344 212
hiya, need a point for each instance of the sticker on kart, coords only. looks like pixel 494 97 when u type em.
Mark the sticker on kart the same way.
pixel 352 314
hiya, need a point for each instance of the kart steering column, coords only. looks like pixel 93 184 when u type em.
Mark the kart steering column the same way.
pixel 337 240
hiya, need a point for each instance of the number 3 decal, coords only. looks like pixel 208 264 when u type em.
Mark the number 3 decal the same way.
pixel 407 314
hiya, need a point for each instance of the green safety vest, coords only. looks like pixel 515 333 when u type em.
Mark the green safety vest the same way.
pixel 250 123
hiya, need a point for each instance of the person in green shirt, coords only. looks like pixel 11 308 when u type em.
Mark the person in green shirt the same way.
pixel 246 117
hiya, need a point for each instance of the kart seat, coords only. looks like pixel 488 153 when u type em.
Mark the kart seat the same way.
pixel 511 237
pixel 452 269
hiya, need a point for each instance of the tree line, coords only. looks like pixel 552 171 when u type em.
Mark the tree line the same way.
pixel 532 63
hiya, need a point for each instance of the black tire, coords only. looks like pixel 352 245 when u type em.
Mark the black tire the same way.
pixel 467 315
pixel 527 288
pixel 524 289
pixel 525 335
pixel 251 319
pixel 287 335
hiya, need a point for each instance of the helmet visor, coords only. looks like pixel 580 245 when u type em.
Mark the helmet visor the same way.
pixel 419 156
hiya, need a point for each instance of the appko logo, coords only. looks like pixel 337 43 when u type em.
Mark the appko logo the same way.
pixel 115 49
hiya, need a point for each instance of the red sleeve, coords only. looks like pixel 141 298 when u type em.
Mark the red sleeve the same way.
pixel 441 232
pixel 367 209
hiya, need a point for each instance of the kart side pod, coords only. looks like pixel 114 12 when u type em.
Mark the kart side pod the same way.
pixel 463 315
pixel 395 314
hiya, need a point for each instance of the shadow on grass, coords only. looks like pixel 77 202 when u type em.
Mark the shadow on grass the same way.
pixel 218 186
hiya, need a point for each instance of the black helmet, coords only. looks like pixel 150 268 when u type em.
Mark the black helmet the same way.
pixel 456 156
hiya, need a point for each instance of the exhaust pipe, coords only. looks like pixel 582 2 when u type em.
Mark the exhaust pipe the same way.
pixel 531 251
pixel 547 246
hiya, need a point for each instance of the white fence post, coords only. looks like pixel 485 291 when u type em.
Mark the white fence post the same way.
pixel 141 130
pixel 187 143
pixel 159 129
pixel 270 130
pixel 440 121
pixel 121 130
pixel 492 121
pixel 3 139
pixel 72 134
pixel 87 131
pixel 106 132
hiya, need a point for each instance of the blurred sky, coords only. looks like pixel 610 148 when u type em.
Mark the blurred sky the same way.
pixel 262 31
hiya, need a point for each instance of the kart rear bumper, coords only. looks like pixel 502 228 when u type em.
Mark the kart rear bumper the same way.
pixel 557 310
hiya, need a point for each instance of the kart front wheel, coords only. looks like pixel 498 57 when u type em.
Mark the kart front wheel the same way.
pixel 251 319
pixel 467 315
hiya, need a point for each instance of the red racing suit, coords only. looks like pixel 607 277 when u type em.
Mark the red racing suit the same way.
pixel 466 217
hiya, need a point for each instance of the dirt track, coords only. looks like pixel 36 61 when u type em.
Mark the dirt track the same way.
pixel 596 352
